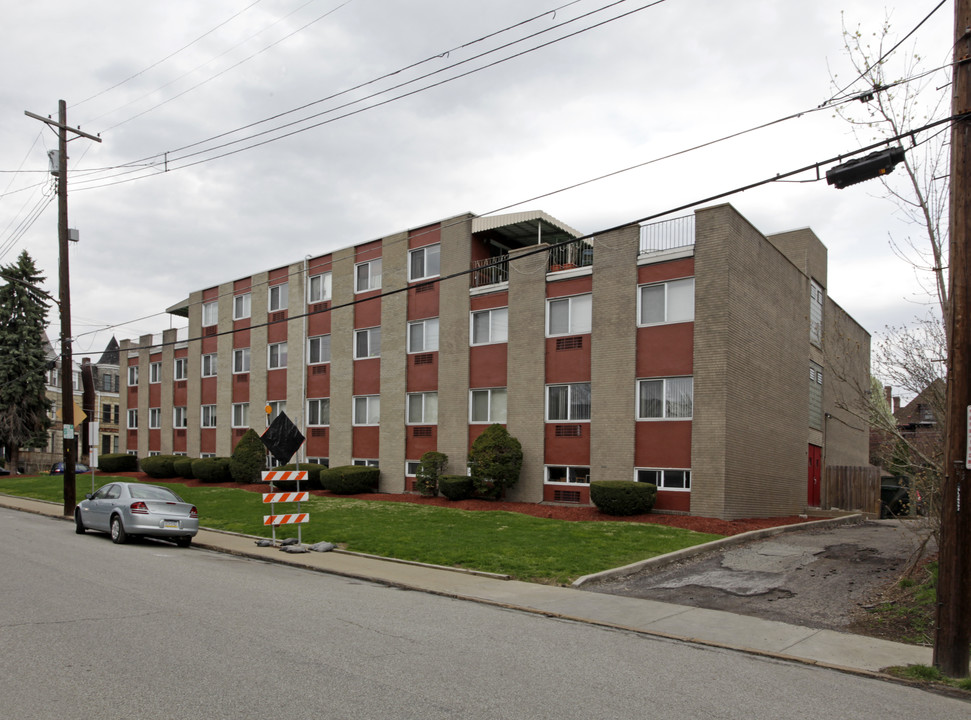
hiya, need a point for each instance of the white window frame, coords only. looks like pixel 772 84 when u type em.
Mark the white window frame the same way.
pixel 425 405
pixel 276 407
pixel 494 414
pixel 429 257
pixel 278 297
pixel 427 338
pixel 318 340
pixel 411 468
pixel 180 369
pixel 574 475
pixel 665 400
pixel 373 340
pixel 132 375
pixel 154 418
pixel 241 357
pixel 572 389
pixel 242 306
pixel 316 409
pixel 365 462
pixel 208 365
pixel 667 288
pixel 132 419
pixel 816 301
pixel 319 288
pixel 240 417
pixel 372 410
pixel 498 332
pixel 662 485
pixel 276 356
pixel 154 372
pixel 207 416
pixel 371 279
pixel 579 321
pixel 210 313
pixel 180 417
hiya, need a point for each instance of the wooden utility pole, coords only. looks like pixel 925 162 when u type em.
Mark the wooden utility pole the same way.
pixel 64 277
pixel 953 637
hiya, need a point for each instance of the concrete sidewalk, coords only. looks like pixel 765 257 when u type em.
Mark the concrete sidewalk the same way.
pixel 842 651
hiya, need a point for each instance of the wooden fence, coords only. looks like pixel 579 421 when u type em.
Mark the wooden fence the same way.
pixel 846 487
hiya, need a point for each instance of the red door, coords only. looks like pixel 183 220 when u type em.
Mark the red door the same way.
pixel 815 475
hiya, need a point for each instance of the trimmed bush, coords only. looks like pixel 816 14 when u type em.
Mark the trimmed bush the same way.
pixel 623 497
pixel 183 468
pixel 213 470
pixel 430 468
pixel 117 462
pixel 313 477
pixel 159 466
pixel 455 487
pixel 249 458
pixel 350 479
pixel 495 461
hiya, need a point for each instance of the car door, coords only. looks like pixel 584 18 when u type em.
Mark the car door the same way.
pixel 96 510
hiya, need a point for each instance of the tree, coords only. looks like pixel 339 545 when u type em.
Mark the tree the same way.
pixel 248 459
pixel 24 406
pixel 495 461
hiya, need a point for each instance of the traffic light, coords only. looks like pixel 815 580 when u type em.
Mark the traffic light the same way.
pixel 868 167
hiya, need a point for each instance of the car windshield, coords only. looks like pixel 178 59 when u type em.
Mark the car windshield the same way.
pixel 152 492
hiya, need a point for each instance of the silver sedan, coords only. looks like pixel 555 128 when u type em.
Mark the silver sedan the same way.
pixel 123 509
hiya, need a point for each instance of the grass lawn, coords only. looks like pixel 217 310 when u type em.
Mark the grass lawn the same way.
pixel 525 547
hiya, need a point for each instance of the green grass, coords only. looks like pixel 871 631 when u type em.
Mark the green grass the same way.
pixel 927 674
pixel 525 547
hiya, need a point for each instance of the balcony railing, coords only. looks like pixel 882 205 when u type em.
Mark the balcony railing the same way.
pixel 569 256
pixel 490 271
pixel 668 234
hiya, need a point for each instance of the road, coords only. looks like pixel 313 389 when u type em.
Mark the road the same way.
pixel 91 629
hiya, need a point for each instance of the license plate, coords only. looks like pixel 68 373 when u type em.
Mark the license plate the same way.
pixel 174 524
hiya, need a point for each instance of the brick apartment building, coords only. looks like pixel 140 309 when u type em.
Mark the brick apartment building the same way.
pixel 690 353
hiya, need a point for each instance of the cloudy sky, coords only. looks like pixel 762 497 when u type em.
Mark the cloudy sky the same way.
pixel 241 135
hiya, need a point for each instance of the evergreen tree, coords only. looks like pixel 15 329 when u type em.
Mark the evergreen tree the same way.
pixel 24 406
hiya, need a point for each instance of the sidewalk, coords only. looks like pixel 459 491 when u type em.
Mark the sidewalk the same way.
pixel 841 651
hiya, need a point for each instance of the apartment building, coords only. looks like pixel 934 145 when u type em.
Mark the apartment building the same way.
pixel 697 354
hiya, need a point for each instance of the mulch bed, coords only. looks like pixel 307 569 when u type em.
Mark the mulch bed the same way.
pixel 579 513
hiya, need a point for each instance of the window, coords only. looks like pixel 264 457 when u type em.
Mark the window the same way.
pixel 318 412
pixel 318 288
pixel 424 262
pixel 116 414
pixel 423 336
pixel 411 468
pixel 276 356
pixel 490 326
pixel 319 461
pixel 367 343
pixel 154 418
pixel 179 417
pixel 569 316
pixel 106 412
pixel 208 416
pixel 367 410
pixel 276 407
pixel 318 349
pixel 568 402
pixel 181 368
pixel 210 313
pixel 241 306
pixel 109 383
pixel 209 365
pixel 241 360
pixel 665 479
pixel 133 419
pixel 240 415
pixel 815 396
pixel 365 463
pixel 665 399
pixel 367 276
pixel 668 302
pixel 422 408
pixel 488 406
pixel 815 312
pixel 132 375
pixel 154 373
pixel 568 474
pixel 279 296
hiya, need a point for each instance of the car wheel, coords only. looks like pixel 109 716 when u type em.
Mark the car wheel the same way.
pixel 118 534
pixel 78 524
pixel 184 541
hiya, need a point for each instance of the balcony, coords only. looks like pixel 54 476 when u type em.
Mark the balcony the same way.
pixel 490 271
pixel 675 234
pixel 570 256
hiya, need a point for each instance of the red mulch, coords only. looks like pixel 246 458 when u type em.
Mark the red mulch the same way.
pixel 557 512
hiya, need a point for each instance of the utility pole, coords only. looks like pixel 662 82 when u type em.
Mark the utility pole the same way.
pixel 64 277
pixel 953 636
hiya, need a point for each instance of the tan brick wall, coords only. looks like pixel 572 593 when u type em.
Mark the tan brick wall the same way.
pixel 259 315
pixel 168 389
pixel 846 376
pixel 224 384
pixel 194 381
pixel 341 360
pixel 144 344
pixel 613 355
pixel 297 353
pixel 394 364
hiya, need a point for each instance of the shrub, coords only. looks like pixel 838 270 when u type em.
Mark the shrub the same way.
pixel 495 461
pixel 159 466
pixel 623 497
pixel 455 487
pixel 249 458
pixel 430 468
pixel 213 470
pixel 350 479
pixel 117 462
pixel 183 468
pixel 313 477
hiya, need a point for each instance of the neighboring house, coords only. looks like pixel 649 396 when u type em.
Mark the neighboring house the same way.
pixel 101 402
pixel 675 353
